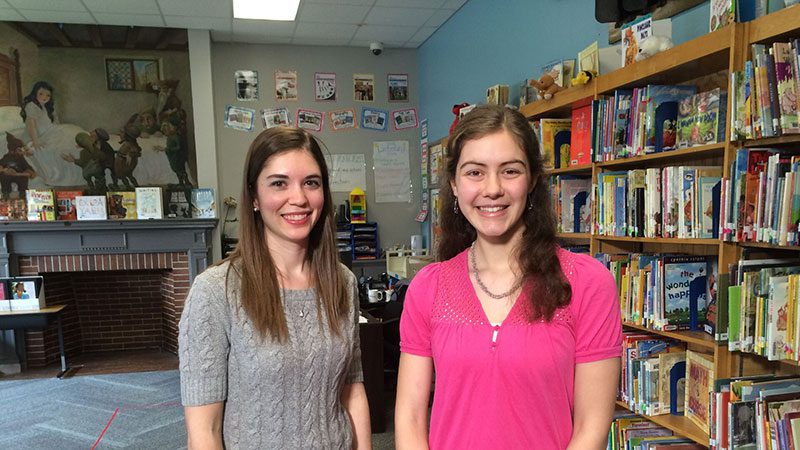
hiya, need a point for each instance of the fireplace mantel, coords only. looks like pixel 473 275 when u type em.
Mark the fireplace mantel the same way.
pixel 19 240
pixel 97 237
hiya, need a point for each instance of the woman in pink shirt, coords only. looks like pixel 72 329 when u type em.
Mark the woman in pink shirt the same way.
pixel 525 337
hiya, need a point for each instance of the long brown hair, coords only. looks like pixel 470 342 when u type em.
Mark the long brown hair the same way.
pixel 260 288
pixel 537 251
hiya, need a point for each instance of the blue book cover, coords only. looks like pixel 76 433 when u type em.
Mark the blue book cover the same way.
pixel 677 388
pixel 715 209
pixel 685 304
pixel 561 143
pixel 579 205
pixel 662 116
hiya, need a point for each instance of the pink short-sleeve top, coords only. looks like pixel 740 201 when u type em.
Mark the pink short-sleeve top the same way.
pixel 510 385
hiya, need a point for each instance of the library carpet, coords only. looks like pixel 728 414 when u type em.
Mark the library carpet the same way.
pixel 139 410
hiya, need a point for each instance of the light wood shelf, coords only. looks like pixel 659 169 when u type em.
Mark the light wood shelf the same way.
pixel 777 140
pixel 698 338
pixel 683 241
pixel 668 157
pixel 679 424
pixel 585 236
pixel 584 168
pixel 764 245
pixel 560 105
pixel 778 25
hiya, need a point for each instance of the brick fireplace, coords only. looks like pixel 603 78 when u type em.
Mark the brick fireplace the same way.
pixel 124 283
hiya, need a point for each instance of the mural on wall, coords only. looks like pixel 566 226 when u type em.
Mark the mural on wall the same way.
pixel 150 144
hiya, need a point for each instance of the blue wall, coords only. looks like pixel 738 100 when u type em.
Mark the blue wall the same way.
pixel 490 42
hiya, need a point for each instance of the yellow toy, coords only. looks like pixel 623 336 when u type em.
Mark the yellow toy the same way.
pixel 583 77
pixel 546 86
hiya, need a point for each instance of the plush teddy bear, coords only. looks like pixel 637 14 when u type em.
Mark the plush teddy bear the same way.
pixel 546 86
pixel 652 45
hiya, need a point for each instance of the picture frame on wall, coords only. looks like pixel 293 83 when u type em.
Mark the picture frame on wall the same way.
pixel 403 119
pixel 129 74
pixel 374 119
pixel 398 87
pixel 363 87
pixel 286 85
pixel 274 117
pixel 241 119
pixel 246 85
pixel 310 119
pixel 342 119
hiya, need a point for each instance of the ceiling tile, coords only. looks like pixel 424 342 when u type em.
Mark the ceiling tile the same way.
pixel 412 3
pixel 48 5
pixel 209 8
pixel 453 4
pixel 423 33
pixel 274 28
pixel 364 43
pixel 340 32
pixel 140 20
pixel 57 16
pixel 122 6
pixel 260 39
pixel 320 41
pixel 385 33
pixel 439 17
pixel 408 17
pixel 314 12
pixel 10 14
pixel 199 23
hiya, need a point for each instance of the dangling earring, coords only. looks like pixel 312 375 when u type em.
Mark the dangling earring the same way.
pixel 456 211
pixel 530 202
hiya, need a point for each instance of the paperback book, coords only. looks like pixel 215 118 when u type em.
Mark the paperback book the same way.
pixel 41 205
pixel 65 203
pixel 122 205
pixel 203 204
pixel 149 203
pixel 90 207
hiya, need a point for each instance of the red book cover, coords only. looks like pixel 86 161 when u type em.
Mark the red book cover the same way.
pixel 580 151
pixel 65 204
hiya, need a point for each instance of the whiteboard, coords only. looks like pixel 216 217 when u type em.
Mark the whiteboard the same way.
pixel 347 171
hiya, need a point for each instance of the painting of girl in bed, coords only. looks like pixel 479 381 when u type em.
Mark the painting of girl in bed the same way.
pixel 51 148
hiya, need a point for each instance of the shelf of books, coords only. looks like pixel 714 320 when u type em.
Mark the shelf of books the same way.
pixel 687 187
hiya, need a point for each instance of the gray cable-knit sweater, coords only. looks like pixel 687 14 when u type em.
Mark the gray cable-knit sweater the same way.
pixel 277 396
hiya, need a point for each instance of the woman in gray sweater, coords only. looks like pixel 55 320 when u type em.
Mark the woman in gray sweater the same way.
pixel 269 346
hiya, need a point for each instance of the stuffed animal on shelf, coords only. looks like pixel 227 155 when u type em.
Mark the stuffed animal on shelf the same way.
pixel 457 111
pixel 583 77
pixel 652 45
pixel 546 86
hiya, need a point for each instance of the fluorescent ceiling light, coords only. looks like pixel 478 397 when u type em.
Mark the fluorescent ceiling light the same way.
pixel 265 9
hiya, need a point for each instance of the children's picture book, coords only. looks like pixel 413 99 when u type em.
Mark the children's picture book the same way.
pixel 685 304
pixel 556 70
pixel 178 204
pixel 588 58
pixel 14 209
pixel 555 144
pixel 149 203
pixel 581 134
pixel 90 207
pixel 710 113
pixel 121 205
pixel 662 115
pixel 699 383
pixel 203 204
pixel 722 14
pixel 633 34
pixel 666 361
pixel 41 205
pixel 24 293
pixel 65 204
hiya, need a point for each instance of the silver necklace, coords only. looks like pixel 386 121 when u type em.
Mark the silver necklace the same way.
pixel 483 286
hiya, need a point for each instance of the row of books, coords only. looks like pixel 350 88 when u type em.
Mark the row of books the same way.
pixel 765 103
pixel 664 291
pixel 674 201
pixel 632 432
pixel 660 376
pixel 21 293
pixel 143 203
pixel 755 412
pixel 762 197
pixel 571 197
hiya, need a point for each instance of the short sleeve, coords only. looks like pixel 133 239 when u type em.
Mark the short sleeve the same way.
pixel 203 343
pixel 598 323
pixel 415 322
pixel 355 373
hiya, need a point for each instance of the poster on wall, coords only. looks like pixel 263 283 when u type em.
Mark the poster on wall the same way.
pixel 325 87
pixel 125 74
pixel 346 171
pixel 398 87
pixel 241 119
pixel 391 167
pixel 286 85
pixel 363 87
pixel 403 119
pixel 374 119
pixel 342 119
pixel 273 117
pixel 246 85
pixel 310 119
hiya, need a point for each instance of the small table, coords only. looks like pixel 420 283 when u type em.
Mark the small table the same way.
pixel 37 319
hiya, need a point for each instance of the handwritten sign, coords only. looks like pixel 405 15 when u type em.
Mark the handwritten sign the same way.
pixel 392 171
pixel 347 171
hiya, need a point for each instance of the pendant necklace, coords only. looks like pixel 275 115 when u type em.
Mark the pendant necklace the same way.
pixel 483 286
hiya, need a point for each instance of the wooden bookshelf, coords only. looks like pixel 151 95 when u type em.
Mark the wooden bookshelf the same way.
pixel 698 338
pixel 572 170
pixel 668 157
pixel 682 241
pixel 764 245
pixel 581 236
pixel 679 424
pixel 775 26
pixel 772 141
pixel 560 105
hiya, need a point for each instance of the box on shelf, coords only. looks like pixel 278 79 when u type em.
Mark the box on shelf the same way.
pixel 405 263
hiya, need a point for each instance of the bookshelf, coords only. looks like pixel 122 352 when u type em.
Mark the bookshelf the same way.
pixel 707 62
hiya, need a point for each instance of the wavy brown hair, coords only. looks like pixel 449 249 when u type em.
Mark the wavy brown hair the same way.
pixel 537 251
pixel 260 288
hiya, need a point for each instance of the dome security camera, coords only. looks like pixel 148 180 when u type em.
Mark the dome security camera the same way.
pixel 376 48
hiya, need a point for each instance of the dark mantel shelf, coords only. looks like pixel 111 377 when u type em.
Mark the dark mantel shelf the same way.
pixel 108 224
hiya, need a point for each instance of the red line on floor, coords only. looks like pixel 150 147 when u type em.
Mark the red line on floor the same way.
pixel 105 429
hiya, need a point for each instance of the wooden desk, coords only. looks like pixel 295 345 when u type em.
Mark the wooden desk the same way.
pixel 37 319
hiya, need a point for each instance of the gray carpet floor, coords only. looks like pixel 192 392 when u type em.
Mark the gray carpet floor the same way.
pixel 120 411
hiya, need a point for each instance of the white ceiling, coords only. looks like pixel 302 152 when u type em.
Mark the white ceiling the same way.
pixel 356 23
